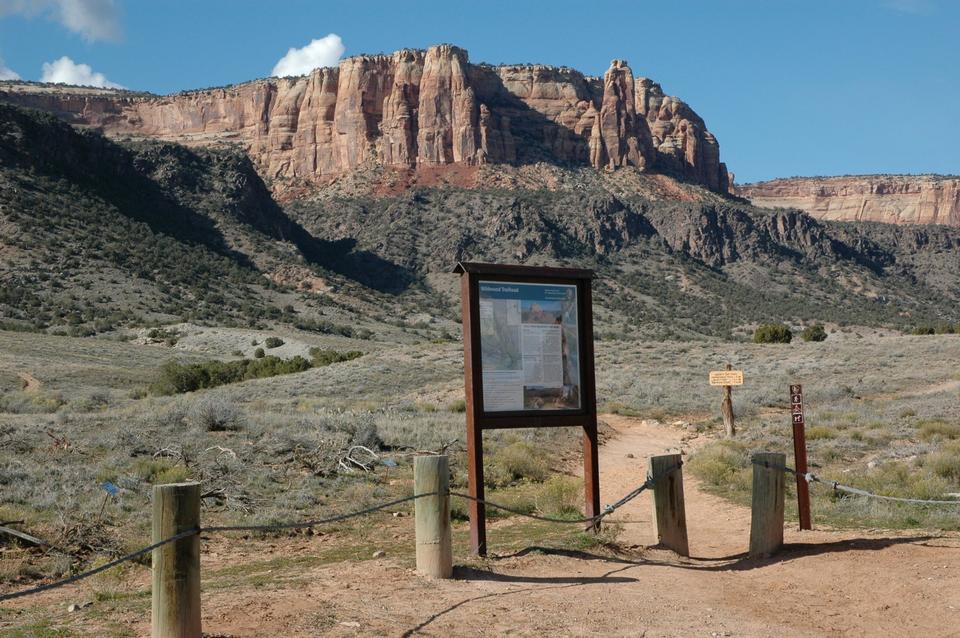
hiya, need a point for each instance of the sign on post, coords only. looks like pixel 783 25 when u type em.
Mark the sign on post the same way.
pixel 528 362
pixel 800 454
pixel 727 379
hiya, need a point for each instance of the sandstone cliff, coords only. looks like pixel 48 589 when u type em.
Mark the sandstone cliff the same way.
pixel 892 199
pixel 410 110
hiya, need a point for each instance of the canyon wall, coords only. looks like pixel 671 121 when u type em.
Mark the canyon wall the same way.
pixel 891 199
pixel 413 109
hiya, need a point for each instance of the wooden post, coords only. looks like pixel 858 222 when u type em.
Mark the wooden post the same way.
pixel 176 565
pixel 669 514
pixel 726 409
pixel 434 544
pixel 766 523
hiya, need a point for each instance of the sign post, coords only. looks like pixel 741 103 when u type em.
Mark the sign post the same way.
pixel 527 363
pixel 800 455
pixel 727 378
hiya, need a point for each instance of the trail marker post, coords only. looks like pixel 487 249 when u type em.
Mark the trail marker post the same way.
pixel 527 363
pixel 727 379
pixel 800 455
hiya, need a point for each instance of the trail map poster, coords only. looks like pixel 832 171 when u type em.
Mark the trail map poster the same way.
pixel 529 343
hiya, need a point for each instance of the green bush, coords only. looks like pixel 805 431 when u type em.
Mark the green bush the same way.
pixel 324 357
pixel 259 353
pixel 561 496
pixel 814 333
pixel 772 333
pixel 924 330
pixel 522 461
pixel 176 377
pixel 273 342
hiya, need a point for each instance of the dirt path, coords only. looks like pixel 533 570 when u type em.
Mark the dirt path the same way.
pixel 823 584
pixel 30 382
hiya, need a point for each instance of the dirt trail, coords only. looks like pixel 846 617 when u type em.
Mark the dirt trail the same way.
pixel 30 382
pixel 824 583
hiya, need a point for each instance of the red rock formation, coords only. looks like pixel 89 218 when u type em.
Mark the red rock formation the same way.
pixel 892 199
pixel 414 109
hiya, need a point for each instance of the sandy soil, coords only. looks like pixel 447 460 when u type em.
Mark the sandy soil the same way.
pixel 29 382
pixel 824 583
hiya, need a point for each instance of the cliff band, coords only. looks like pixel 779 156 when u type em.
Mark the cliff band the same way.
pixel 413 109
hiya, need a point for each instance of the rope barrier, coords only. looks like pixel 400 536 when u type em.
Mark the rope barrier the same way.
pixel 593 520
pixel 810 477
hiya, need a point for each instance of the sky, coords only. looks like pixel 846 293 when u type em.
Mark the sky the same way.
pixel 789 87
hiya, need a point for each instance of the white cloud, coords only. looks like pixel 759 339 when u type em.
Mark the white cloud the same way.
pixel 92 19
pixel 323 52
pixel 6 73
pixel 66 71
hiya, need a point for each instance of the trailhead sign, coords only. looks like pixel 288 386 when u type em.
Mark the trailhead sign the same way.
pixel 530 346
pixel 527 363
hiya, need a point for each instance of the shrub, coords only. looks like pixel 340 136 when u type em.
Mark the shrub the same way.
pixel 273 342
pixel 820 432
pixel 322 357
pixel 721 464
pixel 772 333
pixel 561 496
pixel 814 333
pixel 938 429
pixel 259 353
pixel 214 414
pixel 178 377
pixel 923 330
pixel 457 406
pixel 522 461
pixel 946 463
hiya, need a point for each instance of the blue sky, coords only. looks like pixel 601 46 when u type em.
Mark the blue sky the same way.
pixel 805 87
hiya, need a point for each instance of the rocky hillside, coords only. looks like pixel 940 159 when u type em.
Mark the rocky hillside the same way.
pixel 891 199
pixel 413 111
pixel 98 234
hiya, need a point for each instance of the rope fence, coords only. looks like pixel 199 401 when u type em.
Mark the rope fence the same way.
pixel 592 520
pixel 810 477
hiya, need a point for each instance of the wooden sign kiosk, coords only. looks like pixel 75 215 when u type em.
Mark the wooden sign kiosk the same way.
pixel 527 363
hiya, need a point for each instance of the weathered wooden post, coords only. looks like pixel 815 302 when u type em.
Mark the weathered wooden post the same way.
pixel 669 514
pixel 176 565
pixel 727 379
pixel 726 409
pixel 766 522
pixel 431 474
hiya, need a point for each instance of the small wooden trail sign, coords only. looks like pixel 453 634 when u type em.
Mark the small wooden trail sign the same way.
pixel 726 377
pixel 800 454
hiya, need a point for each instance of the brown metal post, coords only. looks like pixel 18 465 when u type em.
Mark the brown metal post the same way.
pixel 800 455
pixel 591 465
pixel 471 381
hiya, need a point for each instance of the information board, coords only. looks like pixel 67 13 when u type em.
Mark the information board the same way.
pixel 529 344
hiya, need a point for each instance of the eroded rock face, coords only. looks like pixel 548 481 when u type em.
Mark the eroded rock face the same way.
pixel 414 109
pixel 891 199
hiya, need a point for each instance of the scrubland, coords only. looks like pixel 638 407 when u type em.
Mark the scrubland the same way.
pixel 882 414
